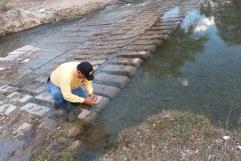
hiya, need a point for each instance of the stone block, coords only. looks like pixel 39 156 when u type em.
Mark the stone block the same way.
pixel 48 124
pixel 35 109
pixel 84 113
pixel 7 89
pixel 97 62
pixel 120 69
pixel 45 96
pixel 8 58
pixel 127 61
pixel 115 80
pixel 28 48
pixel 133 54
pixel 35 88
pixel 107 91
pixel 17 53
pixel 151 37
pixel 141 47
pixel 101 102
pixel 7 109
pixel 16 96
pixel 148 42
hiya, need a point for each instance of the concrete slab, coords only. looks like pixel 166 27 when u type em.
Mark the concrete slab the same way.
pixel 45 96
pixel 84 113
pixel 7 109
pixel 109 79
pixel 7 89
pixel 141 47
pixel 101 103
pixel 16 96
pixel 35 109
pixel 127 61
pixel 120 70
pixel 107 91
pixel 133 54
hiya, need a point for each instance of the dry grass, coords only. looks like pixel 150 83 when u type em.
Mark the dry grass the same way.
pixel 176 136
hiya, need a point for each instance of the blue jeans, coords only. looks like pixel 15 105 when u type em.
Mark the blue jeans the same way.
pixel 59 99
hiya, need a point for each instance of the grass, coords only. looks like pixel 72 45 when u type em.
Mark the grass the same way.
pixel 173 135
pixel 3 5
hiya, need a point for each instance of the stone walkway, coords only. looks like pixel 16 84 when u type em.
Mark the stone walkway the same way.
pixel 116 41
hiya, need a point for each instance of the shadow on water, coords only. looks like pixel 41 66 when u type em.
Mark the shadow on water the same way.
pixel 196 70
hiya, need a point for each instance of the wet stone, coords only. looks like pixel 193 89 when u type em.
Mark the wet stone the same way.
pixel 115 80
pixel 45 96
pixel 101 102
pixel 84 113
pixel 120 70
pixel 151 37
pixel 7 109
pixel 97 62
pixel 74 131
pixel 148 42
pixel 135 54
pixel 7 89
pixel 16 96
pixel 105 90
pixel 35 109
pixel 127 61
pixel 25 131
pixel 28 48
pixel 48 124
pixel 35 88
pixel 141 47
pixel 75 145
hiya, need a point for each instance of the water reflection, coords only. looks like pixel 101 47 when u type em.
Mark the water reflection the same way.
pixel 227 17
pixel 189 45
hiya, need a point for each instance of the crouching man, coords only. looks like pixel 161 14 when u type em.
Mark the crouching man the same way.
pixel 71 84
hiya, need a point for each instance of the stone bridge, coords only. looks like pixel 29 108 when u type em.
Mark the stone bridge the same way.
pixel 116 41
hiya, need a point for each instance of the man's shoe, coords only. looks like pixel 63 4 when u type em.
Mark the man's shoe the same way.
pixel 56 106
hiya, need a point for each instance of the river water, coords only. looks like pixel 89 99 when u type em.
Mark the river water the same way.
pixel 198 70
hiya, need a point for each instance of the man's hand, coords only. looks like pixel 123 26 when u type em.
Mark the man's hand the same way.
pixel 93 96
pixel 89 101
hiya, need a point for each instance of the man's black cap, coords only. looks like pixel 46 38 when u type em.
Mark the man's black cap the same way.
pixel 87 69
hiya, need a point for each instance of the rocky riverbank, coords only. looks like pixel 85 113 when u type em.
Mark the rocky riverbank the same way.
pixel 17 15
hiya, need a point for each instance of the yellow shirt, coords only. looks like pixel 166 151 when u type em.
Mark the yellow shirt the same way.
pixel 65 77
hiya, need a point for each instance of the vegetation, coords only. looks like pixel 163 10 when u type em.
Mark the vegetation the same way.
pixel 173 135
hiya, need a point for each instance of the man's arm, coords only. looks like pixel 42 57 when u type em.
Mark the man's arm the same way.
pixel 65 87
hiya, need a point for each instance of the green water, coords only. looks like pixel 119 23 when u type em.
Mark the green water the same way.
pixel 192 71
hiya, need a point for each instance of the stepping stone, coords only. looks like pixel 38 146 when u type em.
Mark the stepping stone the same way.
pixel 97 62
pixel 84 113
pixel 127 61
pixel 148 42
pixel 141 47
pixel 140 54
pixel 107 91
pixel 16 96
pixel 7 109
pixel 45 96
pixel 35 109
pixel 28 48
pixel 101 102
pixel 120 69
pixel 6 88
pixel 115 80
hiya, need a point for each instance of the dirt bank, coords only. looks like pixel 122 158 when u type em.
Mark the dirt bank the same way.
pixel 17 15
pixel 176 136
